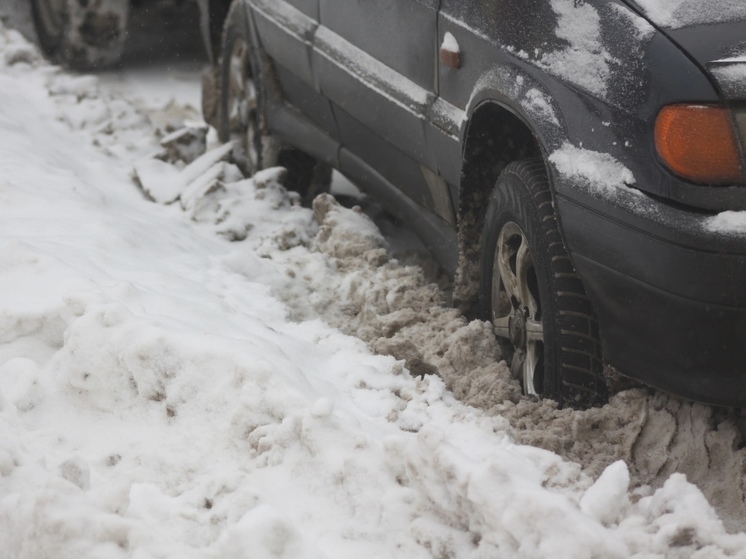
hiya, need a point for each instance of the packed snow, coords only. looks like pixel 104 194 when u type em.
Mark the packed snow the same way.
pixel 219 372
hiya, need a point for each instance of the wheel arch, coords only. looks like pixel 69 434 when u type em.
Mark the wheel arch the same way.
pixel 497 133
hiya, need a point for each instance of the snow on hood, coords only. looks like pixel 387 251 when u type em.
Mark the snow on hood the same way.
pixel 675 14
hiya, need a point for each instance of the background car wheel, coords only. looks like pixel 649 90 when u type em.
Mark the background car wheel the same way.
pixel 242 115
pixel 531 293
pixel 81 34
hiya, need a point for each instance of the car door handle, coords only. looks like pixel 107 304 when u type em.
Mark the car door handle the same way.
pixel 450 52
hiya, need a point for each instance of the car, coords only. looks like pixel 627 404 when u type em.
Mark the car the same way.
pixel 577 166
pixel 91 34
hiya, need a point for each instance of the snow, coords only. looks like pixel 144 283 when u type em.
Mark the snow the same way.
pixel 730 74
pixel 729 222
pixel 599 171
pixel 165 392
pixel 645 31
pixel 584 61
pixel 540 106
pixel 450 43
pixel 675 14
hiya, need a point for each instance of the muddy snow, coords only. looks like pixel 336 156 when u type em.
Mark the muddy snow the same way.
pixel 212 370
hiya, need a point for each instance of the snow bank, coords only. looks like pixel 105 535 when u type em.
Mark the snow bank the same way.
pixel 167 393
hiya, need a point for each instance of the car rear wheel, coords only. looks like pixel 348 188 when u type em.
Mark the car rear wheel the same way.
pixel 81 34
pixel 242 115
pixel 529 290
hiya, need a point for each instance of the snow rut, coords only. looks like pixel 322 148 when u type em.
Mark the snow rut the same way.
pixel 399 312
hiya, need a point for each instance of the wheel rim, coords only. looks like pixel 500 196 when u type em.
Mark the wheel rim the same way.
pixel 53 14
pixel 243 108
pixel 516 307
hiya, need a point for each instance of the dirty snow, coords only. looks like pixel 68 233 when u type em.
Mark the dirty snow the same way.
pixel 165 392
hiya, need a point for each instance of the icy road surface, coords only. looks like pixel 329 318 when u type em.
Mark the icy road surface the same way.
pixel 234 376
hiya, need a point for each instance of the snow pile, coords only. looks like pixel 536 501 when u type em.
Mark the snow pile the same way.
pixel 167 393
pixel 682 13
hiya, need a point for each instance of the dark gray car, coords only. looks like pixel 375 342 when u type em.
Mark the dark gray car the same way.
pixel 571 162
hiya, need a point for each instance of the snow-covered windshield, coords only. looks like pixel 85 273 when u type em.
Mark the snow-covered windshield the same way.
pixel 682 13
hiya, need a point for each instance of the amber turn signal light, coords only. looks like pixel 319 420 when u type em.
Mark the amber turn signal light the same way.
pixel 698 143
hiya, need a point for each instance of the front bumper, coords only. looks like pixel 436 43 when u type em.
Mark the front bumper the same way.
pixel 670 293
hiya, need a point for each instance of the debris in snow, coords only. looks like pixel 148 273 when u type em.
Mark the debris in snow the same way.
pixel 164 183
pixel 185 145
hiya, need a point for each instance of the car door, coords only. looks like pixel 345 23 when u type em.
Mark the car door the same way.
pixel 375 61
pixel 285 30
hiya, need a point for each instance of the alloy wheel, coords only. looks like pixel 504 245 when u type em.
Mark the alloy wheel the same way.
pixel 516 308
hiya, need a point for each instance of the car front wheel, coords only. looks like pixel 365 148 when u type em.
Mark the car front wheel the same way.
pixel 529 290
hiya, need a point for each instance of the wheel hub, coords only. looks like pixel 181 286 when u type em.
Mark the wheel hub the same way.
pixel 518 328
pixel 516 306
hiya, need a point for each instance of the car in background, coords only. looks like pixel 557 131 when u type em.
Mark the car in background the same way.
pixel 578 166
pixel 91 34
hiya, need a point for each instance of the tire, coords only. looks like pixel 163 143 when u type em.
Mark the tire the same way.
pixel 531 293
pixel 82 35
pixel 243 114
